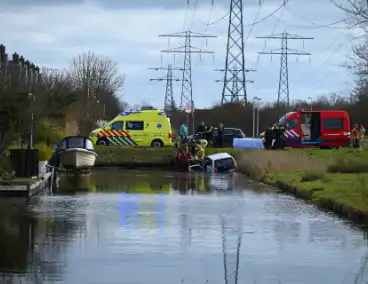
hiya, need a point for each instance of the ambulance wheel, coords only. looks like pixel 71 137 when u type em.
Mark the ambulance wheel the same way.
pixel 157 143
pixel 102 142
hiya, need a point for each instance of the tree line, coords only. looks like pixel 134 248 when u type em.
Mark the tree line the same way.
pixel 83 92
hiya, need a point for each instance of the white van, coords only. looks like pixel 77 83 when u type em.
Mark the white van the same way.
pixel 216 163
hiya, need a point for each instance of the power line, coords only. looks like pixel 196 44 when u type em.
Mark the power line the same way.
pixel 268 16
pixel 207 26
pixel 255 20
pixel 194 13
pixel 327 26
pixel 216 21
pixel 327 60
pixel 316 24
pixel 283 92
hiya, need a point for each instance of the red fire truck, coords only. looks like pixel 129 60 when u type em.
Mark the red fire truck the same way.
pixel 319 129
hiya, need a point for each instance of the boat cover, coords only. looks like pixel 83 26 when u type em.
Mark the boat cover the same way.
pixel 248 143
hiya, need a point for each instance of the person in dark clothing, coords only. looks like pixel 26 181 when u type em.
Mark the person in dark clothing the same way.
pixel 268 137
pixel 281 137
pixel 208 134
pixel 201 129
pixel 220 136
pixel 275 136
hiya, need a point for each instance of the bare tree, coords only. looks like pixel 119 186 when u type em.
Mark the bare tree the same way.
pixel 89 70
pixel 356 10
pixel 357 18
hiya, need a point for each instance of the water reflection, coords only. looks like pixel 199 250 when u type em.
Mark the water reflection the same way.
pixel 118 226
pixel 29 246
pixel 115 180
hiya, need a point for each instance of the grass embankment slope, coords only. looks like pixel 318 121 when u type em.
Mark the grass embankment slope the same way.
pixel 162 157
pixel 336 180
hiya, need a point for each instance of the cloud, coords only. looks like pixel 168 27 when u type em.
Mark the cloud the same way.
pixel 50 33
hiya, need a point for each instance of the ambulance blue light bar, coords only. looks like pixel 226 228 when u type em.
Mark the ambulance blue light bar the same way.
pixel 125 113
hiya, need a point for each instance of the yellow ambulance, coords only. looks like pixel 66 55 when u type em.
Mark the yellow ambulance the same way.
pixel 147 128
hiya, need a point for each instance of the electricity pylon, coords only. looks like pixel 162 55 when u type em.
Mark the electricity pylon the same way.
pixel 283 96
pixel 169 102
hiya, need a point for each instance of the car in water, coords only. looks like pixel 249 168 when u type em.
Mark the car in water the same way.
pixel 215 163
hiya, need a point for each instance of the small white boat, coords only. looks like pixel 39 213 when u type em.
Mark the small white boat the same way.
pixel 215 163
pixel 76 152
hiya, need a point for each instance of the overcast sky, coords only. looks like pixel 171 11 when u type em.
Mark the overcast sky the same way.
pixel 50 33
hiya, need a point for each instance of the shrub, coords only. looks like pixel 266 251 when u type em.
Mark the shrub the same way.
pixel 44 152
pixel 312 176
pixel 257 164
pixel 47 134
pixel 348 166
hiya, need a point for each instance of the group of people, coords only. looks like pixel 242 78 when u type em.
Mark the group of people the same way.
pixel 190 149
pixel 205 132
pixel 357 135
pixel 274 137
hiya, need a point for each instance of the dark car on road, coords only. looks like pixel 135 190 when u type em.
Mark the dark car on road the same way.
pixel 229 135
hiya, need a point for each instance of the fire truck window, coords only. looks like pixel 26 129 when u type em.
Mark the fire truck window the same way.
pixel 333 123
pixel 292 124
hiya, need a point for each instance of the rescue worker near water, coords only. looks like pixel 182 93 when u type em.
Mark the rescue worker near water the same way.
pixel 183 132
pixel 200 146
pixel 354 135
pixel 361 133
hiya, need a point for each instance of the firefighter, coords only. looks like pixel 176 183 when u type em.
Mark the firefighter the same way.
pixel 177 147
pixel 200 149
pixel 361 133
pixel 354 135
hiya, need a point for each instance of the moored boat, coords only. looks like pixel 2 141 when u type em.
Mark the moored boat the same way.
pixel 76 152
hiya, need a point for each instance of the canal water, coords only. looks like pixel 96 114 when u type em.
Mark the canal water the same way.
pixel 151 227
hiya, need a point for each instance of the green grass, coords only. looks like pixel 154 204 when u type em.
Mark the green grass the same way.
pixel 345 189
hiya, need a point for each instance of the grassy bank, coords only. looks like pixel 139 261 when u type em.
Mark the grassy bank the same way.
pixel 133 157
pixel 333 180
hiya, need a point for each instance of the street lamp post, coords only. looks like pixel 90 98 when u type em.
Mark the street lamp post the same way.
pixel 256 104
pixel 311 103
pixel 31 140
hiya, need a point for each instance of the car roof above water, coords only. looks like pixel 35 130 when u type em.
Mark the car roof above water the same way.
pixel 219 156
